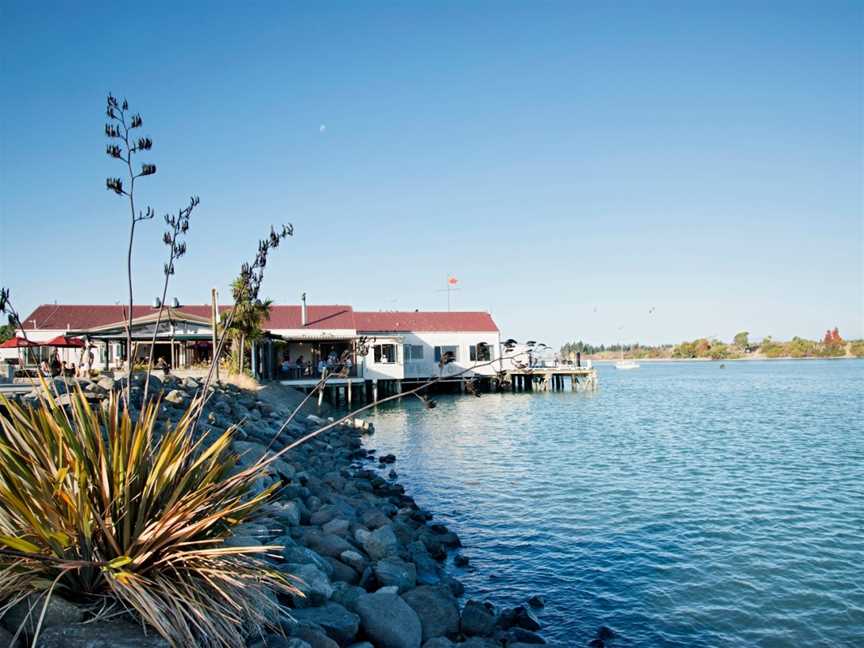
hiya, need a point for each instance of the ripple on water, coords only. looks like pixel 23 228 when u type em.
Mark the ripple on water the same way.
pixel 680 505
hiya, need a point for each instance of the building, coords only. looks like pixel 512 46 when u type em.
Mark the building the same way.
pixel 402 346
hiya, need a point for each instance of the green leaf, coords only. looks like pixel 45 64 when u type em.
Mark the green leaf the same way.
pixel 19 545
pixel 118 562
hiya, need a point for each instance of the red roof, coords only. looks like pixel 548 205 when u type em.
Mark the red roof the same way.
pixel 425 321
pixel 81 317
pixel 86 316
pixel 317 317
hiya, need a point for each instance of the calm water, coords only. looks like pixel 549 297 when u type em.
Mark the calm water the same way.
pixel 681 504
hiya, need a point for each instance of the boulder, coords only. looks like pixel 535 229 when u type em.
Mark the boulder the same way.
pixel 439 642
pixel 396 572
pixel 526 636
pixel 437 609
pixel 478 619
pixel 381 543
pixel 176 396
pixel 523 617
pixel 339 624
pixel 331 545
pixel 336 526
pixel 104 634
pixel 297 554
pixel 278 641
pixel 479 642
pixel 59 612
pixel 314 637
pixel 312 582
pixel 389 621
pixel 537 601
pixel 354 559
pixel 286 512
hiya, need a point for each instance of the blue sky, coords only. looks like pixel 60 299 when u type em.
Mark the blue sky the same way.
pixel 574 165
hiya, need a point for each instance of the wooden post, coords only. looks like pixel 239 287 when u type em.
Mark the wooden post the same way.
pixel 214 314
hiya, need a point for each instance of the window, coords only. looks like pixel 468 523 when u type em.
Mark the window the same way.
pixel 385 353
pixel 413 352
pixel 480 352
pixel 441 350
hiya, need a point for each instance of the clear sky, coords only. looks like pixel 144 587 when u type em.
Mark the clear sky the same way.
pixel 573 164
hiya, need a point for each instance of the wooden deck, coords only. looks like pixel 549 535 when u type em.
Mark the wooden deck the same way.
pixel 553 378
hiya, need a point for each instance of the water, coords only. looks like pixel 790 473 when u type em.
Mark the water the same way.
pixel 681 504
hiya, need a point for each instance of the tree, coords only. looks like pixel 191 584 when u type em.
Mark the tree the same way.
pixel 7 332
pixel 245 325
pixel 742 339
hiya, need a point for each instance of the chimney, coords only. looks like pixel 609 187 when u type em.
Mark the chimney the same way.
pixel 303 318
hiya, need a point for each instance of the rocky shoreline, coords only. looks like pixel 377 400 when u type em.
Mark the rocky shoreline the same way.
pixel 371 562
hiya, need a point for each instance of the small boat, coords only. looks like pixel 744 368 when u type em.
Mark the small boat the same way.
pixel 626 364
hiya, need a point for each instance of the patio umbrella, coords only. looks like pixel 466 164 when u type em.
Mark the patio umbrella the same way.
pixel 18 343
pixel 62 341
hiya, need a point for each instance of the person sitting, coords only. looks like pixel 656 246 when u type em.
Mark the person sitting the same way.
pixel 286 366
pixel 45 369
pixel 322 366
pixel 56 366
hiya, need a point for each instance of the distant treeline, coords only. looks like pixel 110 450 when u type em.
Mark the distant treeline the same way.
pixel 832 345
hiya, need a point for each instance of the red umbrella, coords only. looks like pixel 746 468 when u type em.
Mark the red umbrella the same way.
pixel 66 342
pixel 18 343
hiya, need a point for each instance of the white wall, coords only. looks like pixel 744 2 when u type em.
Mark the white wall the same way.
pixel 427 367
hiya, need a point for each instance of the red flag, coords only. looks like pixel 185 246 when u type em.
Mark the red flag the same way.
pixel 452 281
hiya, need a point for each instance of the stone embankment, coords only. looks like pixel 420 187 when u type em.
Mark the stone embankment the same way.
pixel 370 561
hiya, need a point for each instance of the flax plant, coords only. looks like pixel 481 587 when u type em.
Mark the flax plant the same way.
pixel 103 508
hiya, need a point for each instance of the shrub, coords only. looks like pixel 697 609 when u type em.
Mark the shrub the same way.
pixel 99 507
pixel 856 348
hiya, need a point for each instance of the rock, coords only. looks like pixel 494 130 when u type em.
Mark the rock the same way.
pixel 354 560
pixel 439 642
pixel 478 619
pixel 278 641
pixel 107 383
pixel 524 618
pixel 331 545
pixel 479 642
pixel 393 571
pixel 314 638
pixel 374 518
pixel 297 554
pixel 362 644
pixel 339 624
pixel 287 512
pixel 537 601
pixel 336 526
pixel 59 612
pixel 342 572
pixel 460 560
pixel 456 587
pixel 526 636
pixel 313 583
pixel 604 633
pixel 104 634
pixel 241 541
pixel 596 643
pixel 381 543
pixel 436 607
pixel 347 595
pixel 387 459
pixel 176 396
pixel 389 621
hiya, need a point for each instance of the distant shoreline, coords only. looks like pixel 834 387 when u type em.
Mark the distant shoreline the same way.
pixel 744 359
